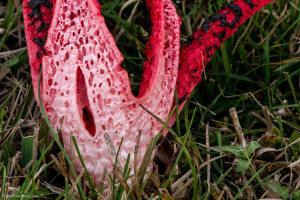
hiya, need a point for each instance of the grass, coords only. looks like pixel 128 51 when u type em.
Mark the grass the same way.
pixel 256 71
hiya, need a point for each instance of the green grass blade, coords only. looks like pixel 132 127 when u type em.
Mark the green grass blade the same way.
pixel 9 28
pixel 249 181
pixel 165 185
pixel 10 8
pixel 3 182
pixel 27 150
pixel 83 164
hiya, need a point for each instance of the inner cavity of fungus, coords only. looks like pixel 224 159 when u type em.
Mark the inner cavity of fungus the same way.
pixel 83 103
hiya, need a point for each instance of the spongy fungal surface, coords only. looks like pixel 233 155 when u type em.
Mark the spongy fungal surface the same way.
pixel 86 90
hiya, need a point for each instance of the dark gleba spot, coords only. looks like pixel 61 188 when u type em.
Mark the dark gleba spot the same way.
pixel 36 12
pixel 36 15
pixel 38 55
pixel 189 40
pixel 238 13
pixel 250 3
pixel 222 17
pixel 36 3
pixel 221 35
pixel 181 99
pixel 41 42
pixel 211 19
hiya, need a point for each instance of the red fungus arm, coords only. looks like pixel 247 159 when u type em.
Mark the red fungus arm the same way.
pixel 200 47
pixel 37 19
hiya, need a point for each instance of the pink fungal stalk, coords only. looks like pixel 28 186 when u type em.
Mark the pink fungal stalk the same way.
pixel 84 87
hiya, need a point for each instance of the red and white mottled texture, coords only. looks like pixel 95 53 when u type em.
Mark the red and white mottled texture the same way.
pixel 31 33
pixel 85 87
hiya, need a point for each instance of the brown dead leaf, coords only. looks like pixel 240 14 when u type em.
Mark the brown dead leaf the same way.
pixel 63 165
pixel 163 155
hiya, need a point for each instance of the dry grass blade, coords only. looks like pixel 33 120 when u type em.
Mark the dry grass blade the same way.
pixel 267 149
pixel 11 53
pixel 221 195
pixel 203 107
pixel 124 184
pixel 4 71
pixel 35 143
pixel 296 141
pixel 35 176
pixel 249 193
pixel 101 184
pixel 237 127
pixel 125 5
pixel 13 164
pixel 133 11
pixel 10 133
pixel 146 160
pixel 155 180
pixel 63 165
pixel 181 180
pixel 136 154
pixel 211 160
pixel 56 162
pixel 264 194
pixel 218 192
pixel 208 154
pixel 6 190
pixel 189 173
pixel 228 192
pixel 112 150
pixel 180 192
pixel 264 150
pixel 212 148
pixel 171 165
pixel 259 117
pixel 53 188
pixel 294 164
pixel 208 189
pixel 267 118
pixel 74 183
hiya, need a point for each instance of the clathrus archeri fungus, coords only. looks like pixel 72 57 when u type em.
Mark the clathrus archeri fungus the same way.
pixel 85 89
pixel 83 85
